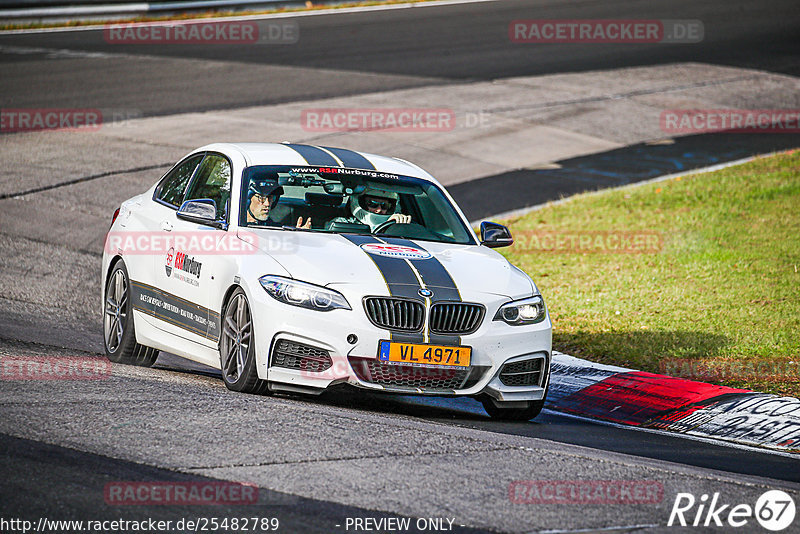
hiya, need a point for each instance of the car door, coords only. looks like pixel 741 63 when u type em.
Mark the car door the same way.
pixel 187 271
pixel 167 197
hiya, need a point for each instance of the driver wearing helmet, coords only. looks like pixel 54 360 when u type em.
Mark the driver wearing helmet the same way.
pixel 263 195
pixel 374 207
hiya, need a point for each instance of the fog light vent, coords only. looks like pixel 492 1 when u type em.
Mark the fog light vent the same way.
pixel 522 373
pixel 294 355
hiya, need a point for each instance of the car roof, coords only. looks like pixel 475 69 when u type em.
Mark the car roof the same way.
pixel 312 155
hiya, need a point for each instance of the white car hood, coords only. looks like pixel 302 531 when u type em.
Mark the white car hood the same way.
pixel 375 264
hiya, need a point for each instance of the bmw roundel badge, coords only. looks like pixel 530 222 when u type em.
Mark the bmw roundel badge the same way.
pixel 425 292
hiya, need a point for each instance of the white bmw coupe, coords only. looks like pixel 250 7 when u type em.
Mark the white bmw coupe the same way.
pixel 295 268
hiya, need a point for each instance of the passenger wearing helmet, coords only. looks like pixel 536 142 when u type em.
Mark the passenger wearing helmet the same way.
pixel 263 195
pixel 374 207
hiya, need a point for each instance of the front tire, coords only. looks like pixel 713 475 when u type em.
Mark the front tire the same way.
pixel 119 331
pixel 497 411
pixel 237 348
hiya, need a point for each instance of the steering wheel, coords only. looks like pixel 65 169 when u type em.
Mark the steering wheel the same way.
pixel 383 226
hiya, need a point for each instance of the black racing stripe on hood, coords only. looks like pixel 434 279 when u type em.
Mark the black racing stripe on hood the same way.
pixel 399 277
pixel 351 159
pixel 400 280
pixel 438 280
pixel 433 273
pixel 314 155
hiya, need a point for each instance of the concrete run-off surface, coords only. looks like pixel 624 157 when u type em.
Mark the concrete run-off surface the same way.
pixel 498 126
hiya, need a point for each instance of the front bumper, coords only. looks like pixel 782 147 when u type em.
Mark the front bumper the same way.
pixel 351 341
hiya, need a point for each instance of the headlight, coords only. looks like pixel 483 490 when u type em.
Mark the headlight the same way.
pixel 526 311
pixel 303 294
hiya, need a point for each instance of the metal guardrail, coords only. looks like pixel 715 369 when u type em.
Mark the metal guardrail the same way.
pixel 42 9
pixel 27 4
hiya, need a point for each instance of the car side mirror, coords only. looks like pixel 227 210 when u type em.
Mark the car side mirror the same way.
pixel 201 211
pixel 495 235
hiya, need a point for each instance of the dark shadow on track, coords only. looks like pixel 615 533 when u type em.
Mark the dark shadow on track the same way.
pixel 41 480
pixel 554 426
pixel 514 190
pixel 469 413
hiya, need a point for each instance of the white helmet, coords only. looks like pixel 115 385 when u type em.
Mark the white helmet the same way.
pixel 359 204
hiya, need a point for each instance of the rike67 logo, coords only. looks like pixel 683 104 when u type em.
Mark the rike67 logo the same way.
pixel 774 510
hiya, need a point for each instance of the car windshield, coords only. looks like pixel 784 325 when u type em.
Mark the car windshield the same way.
pixel 352 201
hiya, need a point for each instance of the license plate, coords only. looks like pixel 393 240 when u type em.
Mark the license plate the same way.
pixel 421 355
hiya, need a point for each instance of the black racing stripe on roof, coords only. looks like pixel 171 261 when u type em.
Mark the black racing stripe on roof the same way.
pixel 314 155
pixel 350 158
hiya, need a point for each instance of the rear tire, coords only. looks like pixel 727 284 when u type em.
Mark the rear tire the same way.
pixel 119 331
pixel 511 414
pixel 237 347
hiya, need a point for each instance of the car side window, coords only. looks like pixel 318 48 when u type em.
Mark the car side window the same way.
pixel 213 180
pixel 173 186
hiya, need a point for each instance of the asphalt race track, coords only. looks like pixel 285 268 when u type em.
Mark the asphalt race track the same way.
pixel 321 461
pixel 384 50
